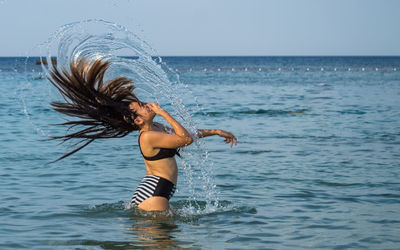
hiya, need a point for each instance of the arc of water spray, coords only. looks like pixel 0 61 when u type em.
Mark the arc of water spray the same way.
pixel 77 39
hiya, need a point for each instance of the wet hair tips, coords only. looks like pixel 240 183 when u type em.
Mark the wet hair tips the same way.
pixel 102 107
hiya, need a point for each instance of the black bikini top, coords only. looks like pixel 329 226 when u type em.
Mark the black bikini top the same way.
pixel 163 153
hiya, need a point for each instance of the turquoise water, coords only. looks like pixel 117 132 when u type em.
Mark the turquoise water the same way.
pixel 316 165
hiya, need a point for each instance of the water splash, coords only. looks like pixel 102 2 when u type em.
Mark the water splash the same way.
pixel 154 81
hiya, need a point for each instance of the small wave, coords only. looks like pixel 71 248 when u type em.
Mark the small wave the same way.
pixel 385 221
pixel 328 227
pixel 273 112
pixel 253 152
pixel 312 137
pixel 322 98
pixel 349 199
pixel 351 112
pixel 190 211
pixel 385 195
pixel 303 194
pixel 337 184
pixel 268 112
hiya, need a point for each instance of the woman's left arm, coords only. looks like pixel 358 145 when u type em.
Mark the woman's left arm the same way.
pixel 229 138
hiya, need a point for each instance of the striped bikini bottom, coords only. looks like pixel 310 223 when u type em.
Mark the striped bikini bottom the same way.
pixel 151 186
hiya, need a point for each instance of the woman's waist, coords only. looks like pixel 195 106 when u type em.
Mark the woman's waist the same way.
pixel 170 174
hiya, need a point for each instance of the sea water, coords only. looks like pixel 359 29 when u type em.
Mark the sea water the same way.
pixel 316 165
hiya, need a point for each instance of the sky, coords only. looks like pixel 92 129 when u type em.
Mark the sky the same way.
pixel 217 27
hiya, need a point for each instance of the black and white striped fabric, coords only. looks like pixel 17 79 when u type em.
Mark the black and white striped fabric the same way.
pixel 150 186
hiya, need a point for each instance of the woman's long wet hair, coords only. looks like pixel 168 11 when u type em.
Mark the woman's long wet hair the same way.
pixel 103 107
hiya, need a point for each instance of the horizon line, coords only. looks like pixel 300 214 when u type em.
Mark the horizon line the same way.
pixel 15 56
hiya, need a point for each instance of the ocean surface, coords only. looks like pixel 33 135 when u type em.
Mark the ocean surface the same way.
pixel 317 164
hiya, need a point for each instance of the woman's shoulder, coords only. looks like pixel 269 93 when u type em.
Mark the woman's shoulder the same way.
pixel 146 135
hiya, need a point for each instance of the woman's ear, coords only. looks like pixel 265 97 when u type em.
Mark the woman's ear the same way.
pixel 138 121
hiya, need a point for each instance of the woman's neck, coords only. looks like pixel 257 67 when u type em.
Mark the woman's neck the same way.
pixel 147 127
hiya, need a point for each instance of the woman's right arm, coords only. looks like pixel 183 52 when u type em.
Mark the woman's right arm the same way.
pixel 161 140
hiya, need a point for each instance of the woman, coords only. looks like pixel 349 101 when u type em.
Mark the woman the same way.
pixel 111 110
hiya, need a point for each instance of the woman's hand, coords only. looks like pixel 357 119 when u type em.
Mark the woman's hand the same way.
pixel 155 107
pixel 229 138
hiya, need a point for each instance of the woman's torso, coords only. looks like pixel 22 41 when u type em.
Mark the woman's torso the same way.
pixel 166 167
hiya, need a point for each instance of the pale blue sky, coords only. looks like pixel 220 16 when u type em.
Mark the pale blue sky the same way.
pixel 218 27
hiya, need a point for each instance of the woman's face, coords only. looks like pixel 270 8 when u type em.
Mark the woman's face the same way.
pixel 142 110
